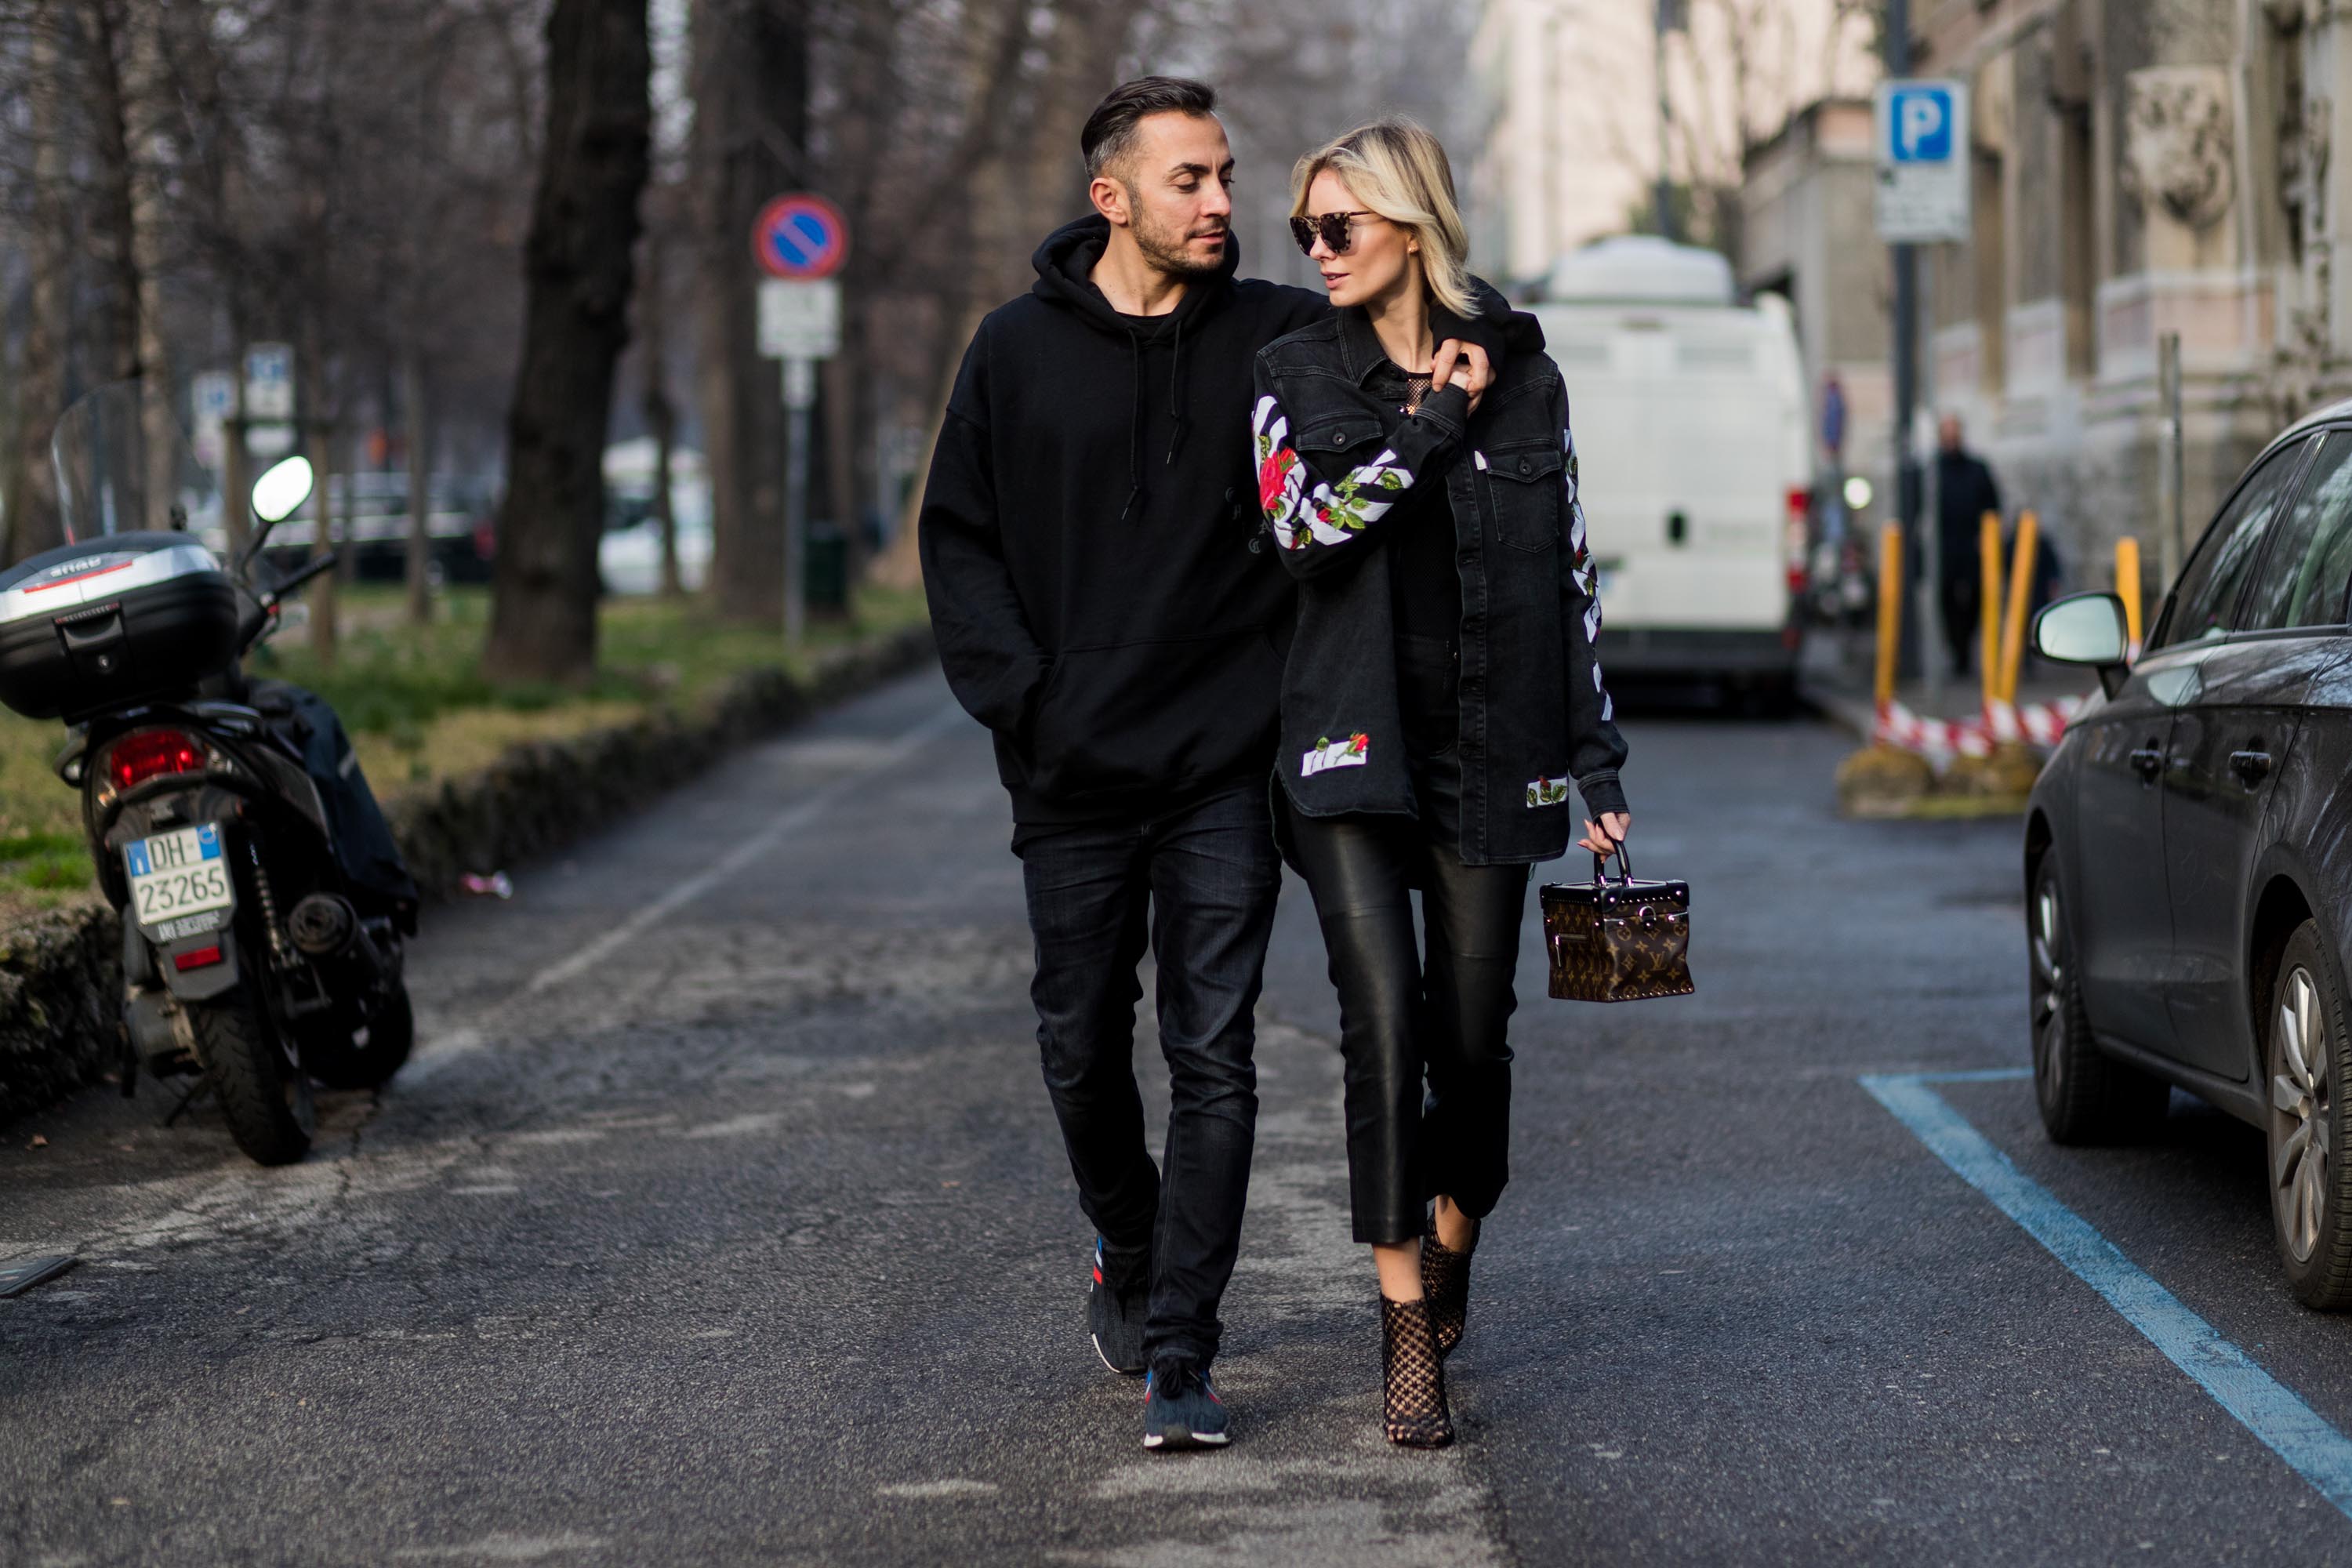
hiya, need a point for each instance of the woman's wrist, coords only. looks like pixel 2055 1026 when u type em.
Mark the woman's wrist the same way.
pixel 1603 794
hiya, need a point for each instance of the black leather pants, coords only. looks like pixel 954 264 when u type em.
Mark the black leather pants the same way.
pixel 1402 1015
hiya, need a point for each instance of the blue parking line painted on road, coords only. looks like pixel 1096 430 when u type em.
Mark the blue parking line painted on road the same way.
pixel 2265 1407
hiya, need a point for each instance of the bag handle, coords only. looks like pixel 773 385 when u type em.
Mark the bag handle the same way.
pixel 1624 859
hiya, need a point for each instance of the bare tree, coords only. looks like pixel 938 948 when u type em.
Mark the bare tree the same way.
pixel 653 312
pixel 32 500
pixel 1735 75
pixel 578 271
pixel 751 92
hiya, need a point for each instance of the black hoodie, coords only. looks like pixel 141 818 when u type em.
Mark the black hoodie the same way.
pixel 1103 593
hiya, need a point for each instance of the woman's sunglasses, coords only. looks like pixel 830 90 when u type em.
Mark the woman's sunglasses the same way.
pixel 1334 229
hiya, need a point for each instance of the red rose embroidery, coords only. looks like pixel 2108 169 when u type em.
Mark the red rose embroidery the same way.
pixel 1358 743
pixel 1273 476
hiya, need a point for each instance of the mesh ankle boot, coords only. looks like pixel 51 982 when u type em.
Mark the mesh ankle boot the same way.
pixel 1445 1285
pixel 1413 1408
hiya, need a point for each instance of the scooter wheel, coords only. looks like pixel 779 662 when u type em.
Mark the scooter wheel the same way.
pixel 264 1095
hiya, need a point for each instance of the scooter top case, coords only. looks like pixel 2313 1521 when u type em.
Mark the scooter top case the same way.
pixel 125 618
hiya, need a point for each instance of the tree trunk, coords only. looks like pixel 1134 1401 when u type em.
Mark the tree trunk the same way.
pixel 661 412
pixel 236 468
pixel 111 225
pixel 841 384
pixel 145 106
pixel 32 500
pixel 577 273
pixel 752 94
pixel 318 424
pixel 417 435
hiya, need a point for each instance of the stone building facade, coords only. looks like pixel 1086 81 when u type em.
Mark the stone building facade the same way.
pixel 1809 232
pixel 2140 167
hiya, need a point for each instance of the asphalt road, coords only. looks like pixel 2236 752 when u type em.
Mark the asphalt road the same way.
pixel 722 1220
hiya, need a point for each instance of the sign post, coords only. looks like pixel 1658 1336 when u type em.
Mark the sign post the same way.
pixel 1923 198
pixel 270 400
pixel 220 445
pixel 800 242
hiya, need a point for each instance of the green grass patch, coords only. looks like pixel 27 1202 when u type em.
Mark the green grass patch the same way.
pixel 419 710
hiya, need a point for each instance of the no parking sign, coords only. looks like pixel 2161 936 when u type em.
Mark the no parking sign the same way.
pixel 800 237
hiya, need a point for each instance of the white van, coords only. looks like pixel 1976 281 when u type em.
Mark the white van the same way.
pixel 1695 445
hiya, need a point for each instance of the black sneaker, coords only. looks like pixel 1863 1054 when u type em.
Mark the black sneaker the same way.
pixel 1182 1410
pixel 1116 1304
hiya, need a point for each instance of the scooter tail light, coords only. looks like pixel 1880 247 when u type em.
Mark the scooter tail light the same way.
pixel 196 958
pixel 144 754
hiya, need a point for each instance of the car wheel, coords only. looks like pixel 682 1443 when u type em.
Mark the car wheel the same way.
pixel 2307 1060
pixel 2085 1096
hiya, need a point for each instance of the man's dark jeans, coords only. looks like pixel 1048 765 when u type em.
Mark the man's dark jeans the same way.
pixel 1197 885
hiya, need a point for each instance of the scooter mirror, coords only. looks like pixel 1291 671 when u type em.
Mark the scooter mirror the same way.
pixel 277 493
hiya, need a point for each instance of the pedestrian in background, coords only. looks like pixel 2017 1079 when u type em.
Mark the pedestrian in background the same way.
pixel 1441 692
pixel 1965 491
pixel 1104 603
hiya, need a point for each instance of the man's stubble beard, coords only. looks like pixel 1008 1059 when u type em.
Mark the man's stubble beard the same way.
pixel 1165 248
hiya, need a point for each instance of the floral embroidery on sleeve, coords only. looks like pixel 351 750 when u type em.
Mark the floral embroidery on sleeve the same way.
pixel 1583 568
pixel 1329 514
pixel 1280 477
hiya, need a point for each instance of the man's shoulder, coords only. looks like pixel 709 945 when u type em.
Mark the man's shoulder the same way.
pixel 1276 309
pixel 1024 312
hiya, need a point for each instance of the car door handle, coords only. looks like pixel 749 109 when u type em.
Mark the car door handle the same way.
pixel 2251 767
pixel 2149 761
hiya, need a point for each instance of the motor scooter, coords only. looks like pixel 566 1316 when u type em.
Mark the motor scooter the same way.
pixel 264 901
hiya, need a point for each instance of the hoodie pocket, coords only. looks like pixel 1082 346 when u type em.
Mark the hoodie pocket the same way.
pixel 1139 718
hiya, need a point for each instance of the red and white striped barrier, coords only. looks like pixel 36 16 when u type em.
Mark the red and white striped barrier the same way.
pixel 2002 724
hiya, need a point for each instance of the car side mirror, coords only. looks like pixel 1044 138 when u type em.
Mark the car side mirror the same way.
pixel 2085 628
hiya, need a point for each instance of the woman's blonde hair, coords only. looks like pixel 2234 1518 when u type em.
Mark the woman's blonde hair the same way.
pixel 1399 170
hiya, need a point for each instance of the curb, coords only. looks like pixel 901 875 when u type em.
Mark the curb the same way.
pixel 1846 709
pixel 60 973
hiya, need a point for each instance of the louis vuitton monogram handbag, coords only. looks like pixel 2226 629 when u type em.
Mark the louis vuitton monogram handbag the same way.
pixel 1618 941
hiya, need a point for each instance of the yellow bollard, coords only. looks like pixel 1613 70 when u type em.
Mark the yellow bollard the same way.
pixel 1890 610
pixel 1989 556
pixel 1882 779
pixel 2020 591
pixel 2127 586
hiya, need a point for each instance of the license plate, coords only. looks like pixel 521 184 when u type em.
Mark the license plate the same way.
pixel 178 873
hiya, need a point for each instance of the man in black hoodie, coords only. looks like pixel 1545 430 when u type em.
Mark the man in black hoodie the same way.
pixel 1091 546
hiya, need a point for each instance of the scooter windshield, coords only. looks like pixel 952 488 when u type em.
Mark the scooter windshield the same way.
pixel 124 467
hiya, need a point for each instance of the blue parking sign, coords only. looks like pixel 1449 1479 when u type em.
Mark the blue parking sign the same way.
pixel 1923 194
pixel 1922 123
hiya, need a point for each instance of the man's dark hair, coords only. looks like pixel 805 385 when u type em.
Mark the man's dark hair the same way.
pixel 1109 133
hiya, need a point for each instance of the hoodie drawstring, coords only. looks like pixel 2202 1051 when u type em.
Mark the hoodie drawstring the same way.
pixel 1134 431
pixel 1176 396
pixel 1135 415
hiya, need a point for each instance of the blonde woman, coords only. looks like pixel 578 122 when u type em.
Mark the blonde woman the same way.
pixel 1441 694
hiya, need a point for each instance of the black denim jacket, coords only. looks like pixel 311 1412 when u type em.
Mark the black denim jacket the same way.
pixel 1331 456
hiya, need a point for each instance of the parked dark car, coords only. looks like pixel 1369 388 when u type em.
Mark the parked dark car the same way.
pixel 2188 850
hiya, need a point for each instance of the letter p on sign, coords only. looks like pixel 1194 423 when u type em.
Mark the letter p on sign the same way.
pixel 1922 125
